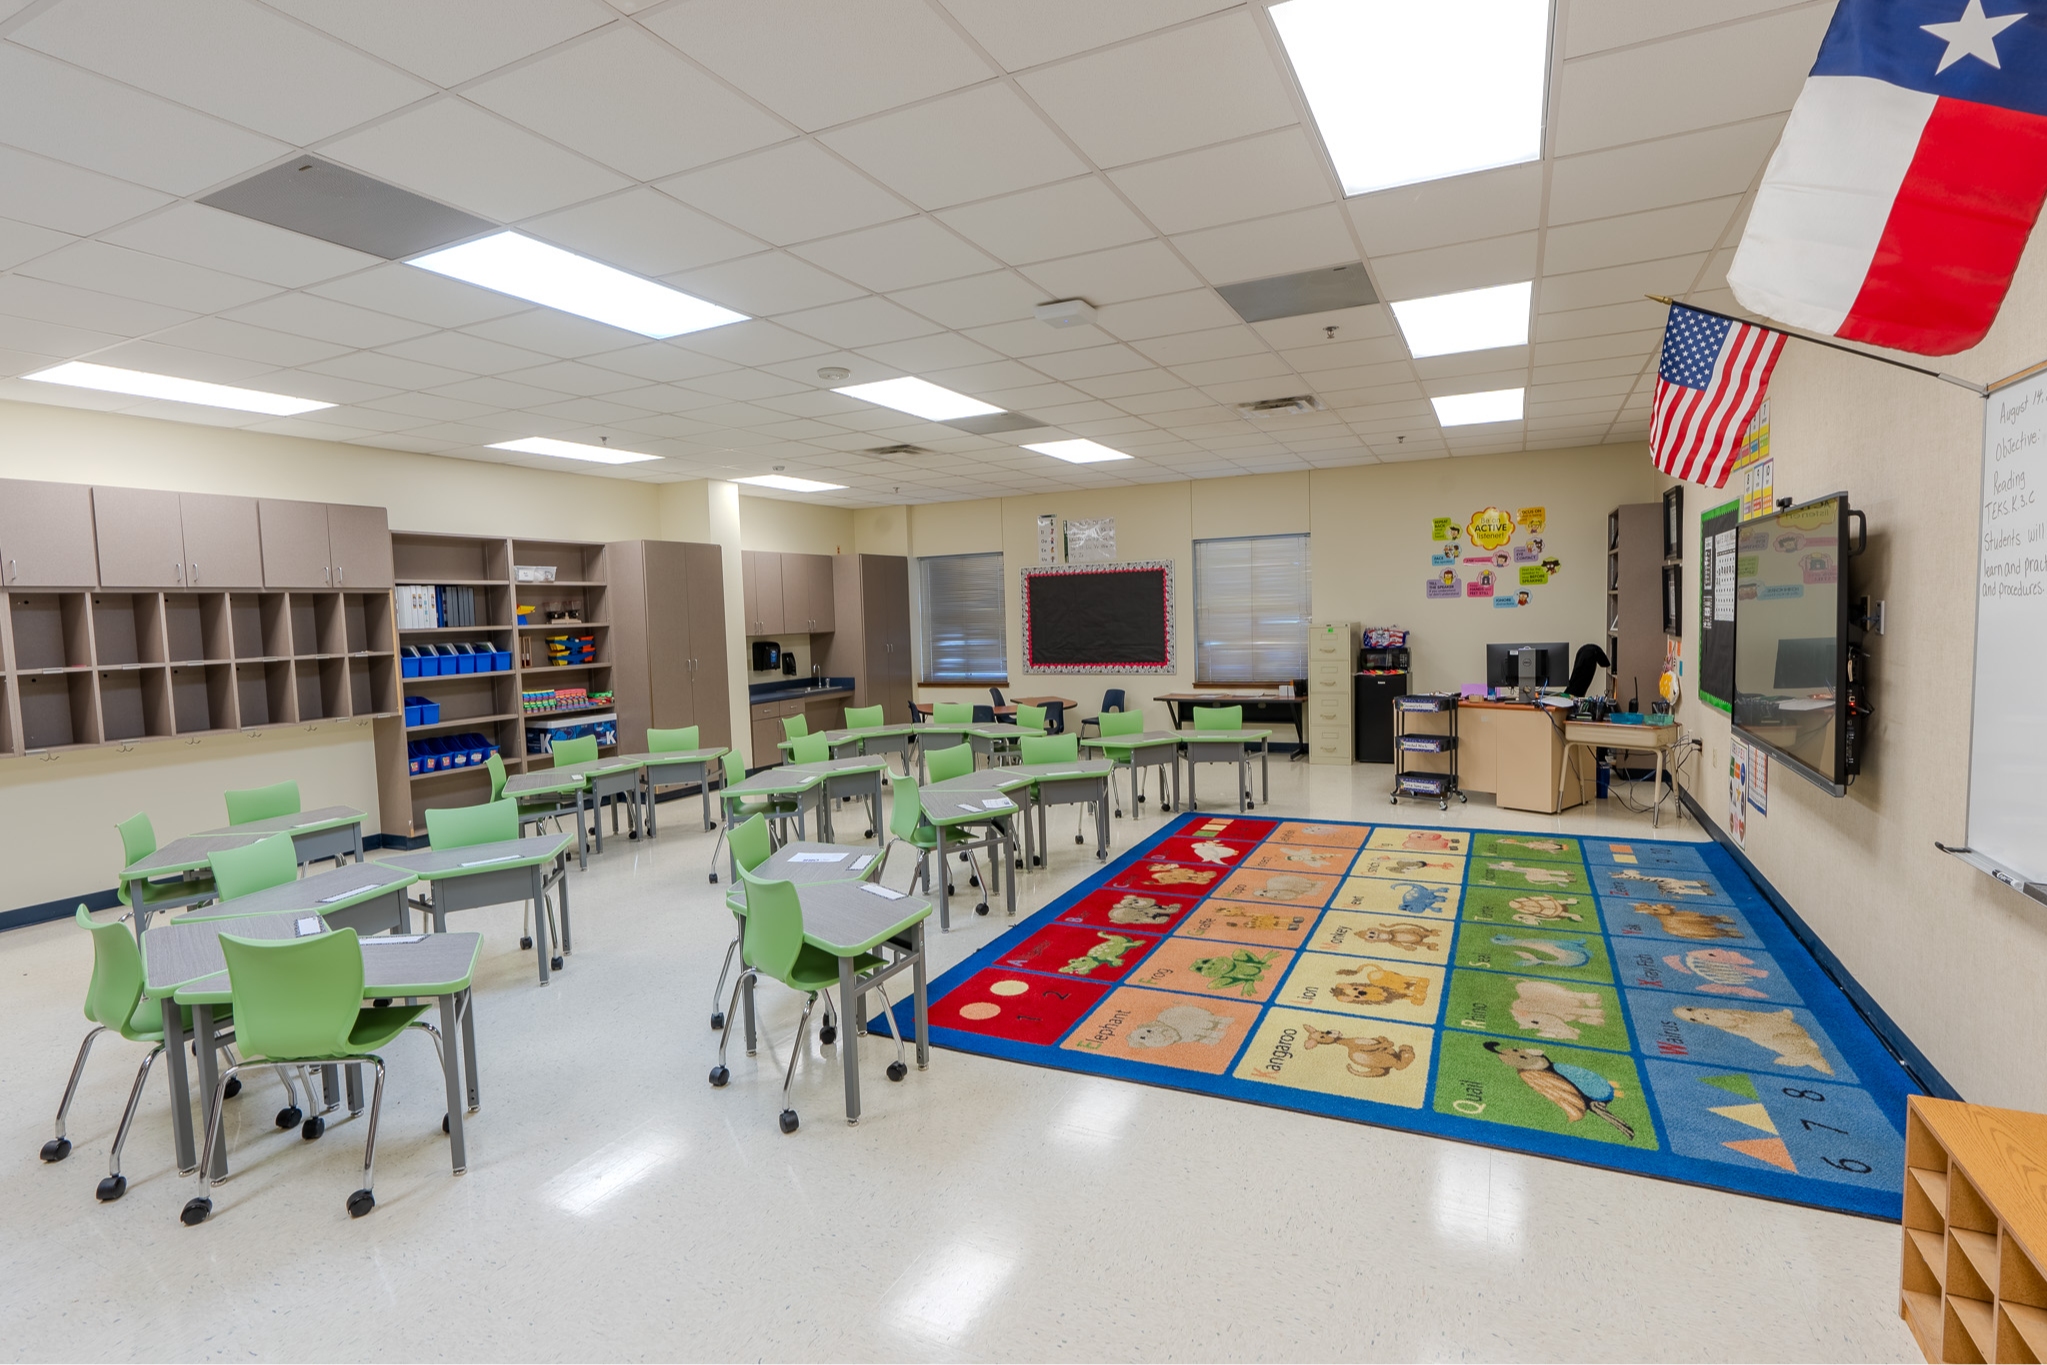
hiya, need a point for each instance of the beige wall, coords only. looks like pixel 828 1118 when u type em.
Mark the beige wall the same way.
pixel 1953 957
pixel 794 527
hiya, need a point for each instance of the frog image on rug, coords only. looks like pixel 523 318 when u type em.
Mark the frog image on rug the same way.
pixel 1241 971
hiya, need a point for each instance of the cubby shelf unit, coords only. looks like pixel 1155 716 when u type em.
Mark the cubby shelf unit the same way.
pixel 85 667
pixel 487 703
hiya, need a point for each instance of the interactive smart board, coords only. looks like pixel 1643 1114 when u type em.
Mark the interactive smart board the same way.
pixel 1106 618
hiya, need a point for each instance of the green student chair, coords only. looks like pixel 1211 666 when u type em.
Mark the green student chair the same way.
pixel 874 717
pixel 772 945
pixel 491 823
pixel 794 727
pixel 1056 749
pixel 866 717
pixel 1220 718
pixel 778 809
pixel 1030 718
pixel 907 826
pixel 942 765
pixel 262 803
pixel 952 712
pixel 114 1002
pixel 751 846
pixel 677 741
pixel 143 899
pixel 254 867
pixel 533 811
pixel 582 749
pixel 809 749
pixel 1116 723
pixel 298 1003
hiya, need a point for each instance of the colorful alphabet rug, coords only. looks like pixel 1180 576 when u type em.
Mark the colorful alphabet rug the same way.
pixel 1634 1004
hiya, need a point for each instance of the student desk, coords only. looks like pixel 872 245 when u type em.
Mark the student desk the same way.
pixel 1513 751
pixel 674 768
pixel 492 874
pixel 591 783
pixel 983 736
pixel 1084 780
pixel 440 966
pixel 849 865
pixel 1228 746
pixel 1182 704
pixel 323 833
pixel 854 776
pixel 1148 749
pixel 864 740
pixel 846 918
pixel 1597 735
pixel 784 781
pixel 950 807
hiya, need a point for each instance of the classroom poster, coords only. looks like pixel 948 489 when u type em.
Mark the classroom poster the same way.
pixel 1737 792
pixel 1756 467
pixel 1758 781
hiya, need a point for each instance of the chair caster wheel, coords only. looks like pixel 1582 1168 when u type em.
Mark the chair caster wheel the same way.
pixel 195 1212
pixel 525 941
pixel 973 881
pixel 1442 805
pixel 1461 798
pixel 56 1149
pixel 1250 805
pixel 717 1020
pixel 360 1203
pixel 719 1075
pixel 444 1125
pixel 110 1189
pixel 981 909
pixel 1101 857
pixel 951 890
pixel 1036 861
pixel 828 1035
pixel 1393 800
pixel 312 1128
pixel 555 963
pixel 1119 815
pixel 289 1118
pixel 896 1071
pixel 234 1087
pixel 1078 840
pixel 870 834
pixel 788 1120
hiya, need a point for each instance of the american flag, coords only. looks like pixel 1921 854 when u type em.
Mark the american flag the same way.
pixel 1714 375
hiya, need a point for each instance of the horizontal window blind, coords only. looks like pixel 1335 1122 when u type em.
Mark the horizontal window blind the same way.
pixel 964 638
pixel 1251 609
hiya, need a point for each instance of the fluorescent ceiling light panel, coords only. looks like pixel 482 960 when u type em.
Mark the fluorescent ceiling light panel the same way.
pixel 1405 92
pixel 543 274
pixel 1077 452
pixel 572 450
pixel 80 375
pixel 1468 409
pixel 1474 320
pixel 919 398
pixel 788 484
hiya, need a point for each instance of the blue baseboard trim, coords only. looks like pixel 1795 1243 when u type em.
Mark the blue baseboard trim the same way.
pixel 1915 1062
pixel 66 906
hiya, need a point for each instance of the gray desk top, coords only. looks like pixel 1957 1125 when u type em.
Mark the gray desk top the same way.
pixel 434 964
pixel 854 864
pixel 964 800
pixel 505 855
pixel 1150 738
pixel 351 885
pixel 674 756
pixel 869 732
pixel 569 776
pixel 785 780
pixel 188 949
pixel 845 917
pixel 302 822
pixel 840 767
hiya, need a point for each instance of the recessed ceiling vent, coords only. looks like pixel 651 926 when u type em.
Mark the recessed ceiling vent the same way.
pixel 1281 407
pixel 347 208
pixel 1293 296
pixel 896 452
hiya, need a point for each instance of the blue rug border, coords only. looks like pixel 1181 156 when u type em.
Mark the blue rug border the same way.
pixel 1866 1050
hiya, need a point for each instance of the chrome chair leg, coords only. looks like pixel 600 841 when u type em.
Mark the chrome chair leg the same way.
pixel 116 1184
pixel 363 1200
pixel 719 1075
pixel 898 1068
pixel 718 991
pixel 796 1050
pixel 59 1147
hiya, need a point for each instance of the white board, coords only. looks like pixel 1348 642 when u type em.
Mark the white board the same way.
pixel 2008 741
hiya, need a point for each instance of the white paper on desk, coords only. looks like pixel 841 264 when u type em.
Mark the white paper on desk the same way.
pixel 393 938
pixel 344 895
pixel 860 863
pixel 998 805
pixel 308 924
pixel 486 862
pixel 877 889
pixel 817 857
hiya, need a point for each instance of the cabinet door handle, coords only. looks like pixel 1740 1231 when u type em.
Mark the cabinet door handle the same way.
pixel 194 577
pixel 337 575
pixel 178 570
pixel 13 571
pixel 327 575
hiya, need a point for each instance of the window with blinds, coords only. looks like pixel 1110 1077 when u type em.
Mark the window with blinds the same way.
pixel 964 637
pixel 1251 609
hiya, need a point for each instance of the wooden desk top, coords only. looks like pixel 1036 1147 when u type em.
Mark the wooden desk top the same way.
pixel 1234 698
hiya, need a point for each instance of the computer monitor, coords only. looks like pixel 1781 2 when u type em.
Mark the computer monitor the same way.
pixel 1804 664
pixel 1503 669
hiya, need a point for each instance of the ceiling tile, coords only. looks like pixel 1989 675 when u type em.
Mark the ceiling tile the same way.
pixel 769 283
pixel 1053 220
pixel 1207 82
pixel 1267 366
pixel 502 172
pixel 1453 269
pixel 1612 368
pixel 1029 337
pixel 753 343
pixel 231 58
pixel 136 275
pixel 1093 362
pixel 35 189
pixel 241 246
pixel 1105 277
pixel 47 301
pixel 569 376
pixel 1637 314
pixel 852 60
pixel 496 392
pixel 861 322
pixel 659 362
pixel 922 355
pixel 1303 240
pixel 1020 36
pixel 898 255
pixel 1637 236
pixel 1643 343
pixel 986 377
pixel 1721 75
pixel 562 335
pixel 625 98
pixel 157 358
pixel 25 241
pixel 1213 344
pixel 1253 178
pixel 49 107
pixel 976 301
pixel 973 145
pixel 406 292
pixel 786 194
pixel 1313 330
pixel 1460 208
pixel 1498 359
pixel 595 411
pixel 1600 25
pixel 1673 170
pixel 644 231
pixel 1188 311
pixel 471 354
pixel 450 41
pixel 389 371
pixel 325 320
pixel 1618 284
pixel 239 339
pixel 1147 380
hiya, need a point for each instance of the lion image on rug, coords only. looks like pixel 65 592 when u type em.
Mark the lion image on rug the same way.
pixel 1380 987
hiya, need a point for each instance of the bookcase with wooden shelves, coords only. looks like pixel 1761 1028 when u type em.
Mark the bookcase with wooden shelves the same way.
pixel 86 667
pixel 488 703
pixel 1975 1240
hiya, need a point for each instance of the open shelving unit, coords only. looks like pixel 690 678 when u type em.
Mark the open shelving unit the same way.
pixel 1975 1217
pixel 488 703
pixel 85 667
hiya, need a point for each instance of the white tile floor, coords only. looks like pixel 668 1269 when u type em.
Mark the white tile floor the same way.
pixel 617 1206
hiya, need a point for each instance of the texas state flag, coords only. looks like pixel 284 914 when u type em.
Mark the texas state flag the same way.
pixel 1909 176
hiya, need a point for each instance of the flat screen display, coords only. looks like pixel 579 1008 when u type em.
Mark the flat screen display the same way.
pixel 1790 637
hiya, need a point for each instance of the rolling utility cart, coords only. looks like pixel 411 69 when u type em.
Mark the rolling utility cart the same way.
pixel 1424 786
